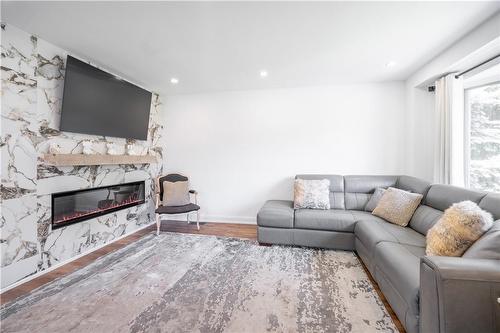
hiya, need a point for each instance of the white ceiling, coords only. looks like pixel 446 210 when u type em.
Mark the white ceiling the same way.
pixel 217 46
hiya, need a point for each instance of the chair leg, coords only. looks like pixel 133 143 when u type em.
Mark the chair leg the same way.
pixel 158 223
pixel 198 219
pixel 187 217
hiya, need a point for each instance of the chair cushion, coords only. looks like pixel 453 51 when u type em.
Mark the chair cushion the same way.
pixel 399 265
pixel 177 209
pixel 373 230
pixel 332 220
pixel 276 213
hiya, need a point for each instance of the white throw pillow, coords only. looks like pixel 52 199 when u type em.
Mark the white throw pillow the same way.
pixel 459 227
pixel 175 193
pixel 314 194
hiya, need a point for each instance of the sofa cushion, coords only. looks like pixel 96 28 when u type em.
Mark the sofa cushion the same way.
pixel 332 220
pixel 276 213
pixel 371 231
pixel 491 204
pixel 424 218
pixel 358 189
pixel 443 196
pixel 336 188
pixel 360 215
pixel 397 269
pixel 488 246
pixel 412 184
pixel 397 206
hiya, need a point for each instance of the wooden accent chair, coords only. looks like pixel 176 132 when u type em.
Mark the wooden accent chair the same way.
pixel 169 210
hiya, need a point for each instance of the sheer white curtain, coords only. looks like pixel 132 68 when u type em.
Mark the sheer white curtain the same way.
pixel 449 132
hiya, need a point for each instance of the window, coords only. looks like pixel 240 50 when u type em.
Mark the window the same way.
pixel 482 143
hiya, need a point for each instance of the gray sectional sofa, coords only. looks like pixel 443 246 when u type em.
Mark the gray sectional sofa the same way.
pixel 428 294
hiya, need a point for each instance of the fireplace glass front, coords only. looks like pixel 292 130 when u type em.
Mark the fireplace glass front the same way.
pixel 75 206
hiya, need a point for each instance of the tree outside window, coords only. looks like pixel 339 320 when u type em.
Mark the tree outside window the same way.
pixel 483 112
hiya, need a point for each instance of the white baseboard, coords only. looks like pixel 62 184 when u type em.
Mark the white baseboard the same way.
pixel 62 263
pixel 213 218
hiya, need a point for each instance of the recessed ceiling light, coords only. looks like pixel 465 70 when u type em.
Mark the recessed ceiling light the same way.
pixel 391 64
pixel 174 80
pixel 263 73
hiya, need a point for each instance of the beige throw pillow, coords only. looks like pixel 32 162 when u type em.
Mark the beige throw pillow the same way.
pixel 313 194
pixel 459 227
pixel 397 206
pixel 175 193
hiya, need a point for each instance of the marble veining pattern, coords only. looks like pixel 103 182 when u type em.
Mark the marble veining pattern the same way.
pixel 32 76
pixel 191 283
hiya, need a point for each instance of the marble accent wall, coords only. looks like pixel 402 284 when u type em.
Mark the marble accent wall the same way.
pixel 32 77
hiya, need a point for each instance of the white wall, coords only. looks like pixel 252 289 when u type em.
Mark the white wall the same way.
pixel 478 45
pixel 242 148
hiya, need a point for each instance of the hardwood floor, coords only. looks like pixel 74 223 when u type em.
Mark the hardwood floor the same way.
pixel 247 231
pixel 70 267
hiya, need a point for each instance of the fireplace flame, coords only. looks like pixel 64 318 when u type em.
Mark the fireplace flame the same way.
pixel 63 218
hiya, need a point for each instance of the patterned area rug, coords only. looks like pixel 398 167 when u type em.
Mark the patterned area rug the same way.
pixel 188 283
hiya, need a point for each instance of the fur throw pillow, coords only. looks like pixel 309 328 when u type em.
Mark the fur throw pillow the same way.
pixel 313 194
pixel 459 227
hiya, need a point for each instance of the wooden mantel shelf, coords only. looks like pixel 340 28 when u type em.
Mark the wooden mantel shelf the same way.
pixel 81 159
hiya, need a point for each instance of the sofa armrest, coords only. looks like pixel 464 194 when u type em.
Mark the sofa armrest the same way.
pixel 459 295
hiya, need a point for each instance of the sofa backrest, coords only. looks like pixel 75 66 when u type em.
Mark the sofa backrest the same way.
pixel 491 203
pixel 359 189
pixel 488 246
pixel 442 196
pixel 353 192
pixel 438 198
pixel 413 184
pixel 336 188
pixel 424 218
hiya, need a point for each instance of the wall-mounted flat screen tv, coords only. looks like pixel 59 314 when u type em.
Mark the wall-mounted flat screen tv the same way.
pixel 99 103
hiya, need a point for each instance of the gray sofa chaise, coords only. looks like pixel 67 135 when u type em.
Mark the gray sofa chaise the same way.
pixel 428 294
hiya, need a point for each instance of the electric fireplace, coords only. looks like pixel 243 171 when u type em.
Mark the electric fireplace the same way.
pixel 75 206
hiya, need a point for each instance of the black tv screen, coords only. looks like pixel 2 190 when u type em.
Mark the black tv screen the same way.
pixel 97 102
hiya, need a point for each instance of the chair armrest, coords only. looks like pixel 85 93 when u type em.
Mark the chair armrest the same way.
pixel 195 195
pixel 459 295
